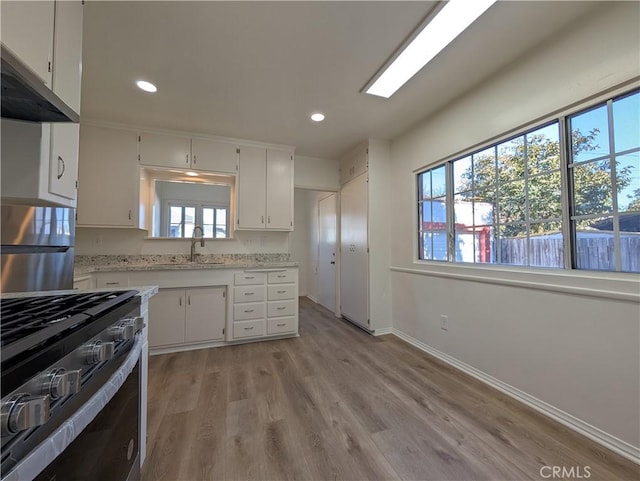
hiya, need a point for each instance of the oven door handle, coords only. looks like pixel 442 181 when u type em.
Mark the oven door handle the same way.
pixel 47 451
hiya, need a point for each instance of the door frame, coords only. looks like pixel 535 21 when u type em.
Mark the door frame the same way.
pixel 336 282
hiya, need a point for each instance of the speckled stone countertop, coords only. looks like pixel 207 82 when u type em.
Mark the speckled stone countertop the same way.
pixel 88 264
pixel 145 292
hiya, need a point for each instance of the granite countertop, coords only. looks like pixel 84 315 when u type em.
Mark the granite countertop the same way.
pixel 145 292
pixel 86 265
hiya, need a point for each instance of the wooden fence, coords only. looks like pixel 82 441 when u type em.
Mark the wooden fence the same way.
pixel 595 252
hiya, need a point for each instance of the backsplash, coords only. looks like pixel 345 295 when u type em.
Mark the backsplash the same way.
pixel 119 260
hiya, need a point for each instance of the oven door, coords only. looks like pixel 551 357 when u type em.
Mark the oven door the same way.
pixel 107 449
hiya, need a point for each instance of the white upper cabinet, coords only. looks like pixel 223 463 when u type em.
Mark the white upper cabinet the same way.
pixel 251 187
pixel 27 30
pixel 279 190
pixel 108 177
pixel 67 53
pixel 165 150
pixel 162 150
pixel 39 162
pixel 354 163
pixel 265 189
pixel 63 167
pixel 47 37
pixel 214 155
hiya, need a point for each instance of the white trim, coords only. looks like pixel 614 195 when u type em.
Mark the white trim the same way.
pixel 383 331
pixel 595 434
pixel 527 284
pixel 183 133
pixel 154 351
pixel 310 297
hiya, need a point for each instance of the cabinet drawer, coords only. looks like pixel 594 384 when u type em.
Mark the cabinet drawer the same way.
pixel 248 278
pixel 112 280
pixel 248 311
pixel 283 291
pixel 248 294
pixel 248 329
pixel 281 308
pixel 281 277
pixel 281 326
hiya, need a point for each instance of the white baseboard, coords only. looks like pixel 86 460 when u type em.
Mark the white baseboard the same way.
pixel 599 436
pixel 383 331
pixel 312 298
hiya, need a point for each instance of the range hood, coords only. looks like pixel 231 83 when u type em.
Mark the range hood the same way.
pixel 26 97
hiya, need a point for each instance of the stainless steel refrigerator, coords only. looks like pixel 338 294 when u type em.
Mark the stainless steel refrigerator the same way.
pixel 37 248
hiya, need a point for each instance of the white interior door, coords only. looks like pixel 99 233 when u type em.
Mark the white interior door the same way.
pixel 354 258
pixel 327 225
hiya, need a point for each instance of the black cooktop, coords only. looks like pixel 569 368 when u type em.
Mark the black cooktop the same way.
pixel 35 332
pixel 28 321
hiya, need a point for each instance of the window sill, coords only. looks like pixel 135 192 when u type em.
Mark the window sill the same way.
pixel 607 285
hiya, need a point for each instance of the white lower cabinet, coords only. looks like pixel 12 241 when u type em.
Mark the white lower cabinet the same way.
pixel 179 316
pixel 255 316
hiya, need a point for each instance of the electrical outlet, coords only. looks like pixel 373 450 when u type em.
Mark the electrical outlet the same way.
pixel 444 322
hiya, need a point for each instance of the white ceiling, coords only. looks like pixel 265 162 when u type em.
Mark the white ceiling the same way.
pixel 257 70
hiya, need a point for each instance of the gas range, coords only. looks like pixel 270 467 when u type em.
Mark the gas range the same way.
pixel 57 351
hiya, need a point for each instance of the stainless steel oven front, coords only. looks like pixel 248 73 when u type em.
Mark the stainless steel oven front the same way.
pixel 108 448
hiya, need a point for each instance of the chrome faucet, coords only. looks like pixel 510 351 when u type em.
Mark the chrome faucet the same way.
pixel 193 241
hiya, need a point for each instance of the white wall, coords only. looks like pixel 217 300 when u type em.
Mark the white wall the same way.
pixel 300 239
pixel 304 240
pixel 568 339
pixel 90 241
pixel 315 173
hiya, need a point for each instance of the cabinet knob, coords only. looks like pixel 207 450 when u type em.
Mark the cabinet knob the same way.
pixel 194 158
pixel 187 160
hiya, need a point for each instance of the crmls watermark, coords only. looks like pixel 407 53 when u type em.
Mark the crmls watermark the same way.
pixel 565 472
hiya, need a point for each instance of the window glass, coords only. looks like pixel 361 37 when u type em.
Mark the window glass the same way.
pixel 605 221
pixel 626 122
pixel 630 242
pixel 508 198
pixel 432 212
pixel 462 175
pixel 628 182
pixel 589 134
pixel 592 187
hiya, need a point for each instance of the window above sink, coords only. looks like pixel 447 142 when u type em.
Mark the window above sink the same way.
pixel 178 201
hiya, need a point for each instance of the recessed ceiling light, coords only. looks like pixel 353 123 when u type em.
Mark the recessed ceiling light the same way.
pixel 192 174
pixel 146 86
pixel 317 117
pixel 448 23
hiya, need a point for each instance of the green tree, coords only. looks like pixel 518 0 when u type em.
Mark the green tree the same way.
pixel 512 197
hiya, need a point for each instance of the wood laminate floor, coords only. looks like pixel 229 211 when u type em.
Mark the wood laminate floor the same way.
pixel 337 403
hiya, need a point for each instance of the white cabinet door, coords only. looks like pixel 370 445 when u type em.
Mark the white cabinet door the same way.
pixel 108 177
pixel 166 317
pixel 251 188
pixel 206 312
pixel 279 190
pixel 354 164
pixel 67 52
pixel 214 156
pixel 165 150
pixel 63 167
pixel 354 260
pixel 27 30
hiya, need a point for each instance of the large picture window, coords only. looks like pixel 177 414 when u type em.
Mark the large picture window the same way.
pixel 505 203
pixel 605 174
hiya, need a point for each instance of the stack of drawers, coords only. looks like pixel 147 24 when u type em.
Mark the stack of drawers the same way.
pixel 265 303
